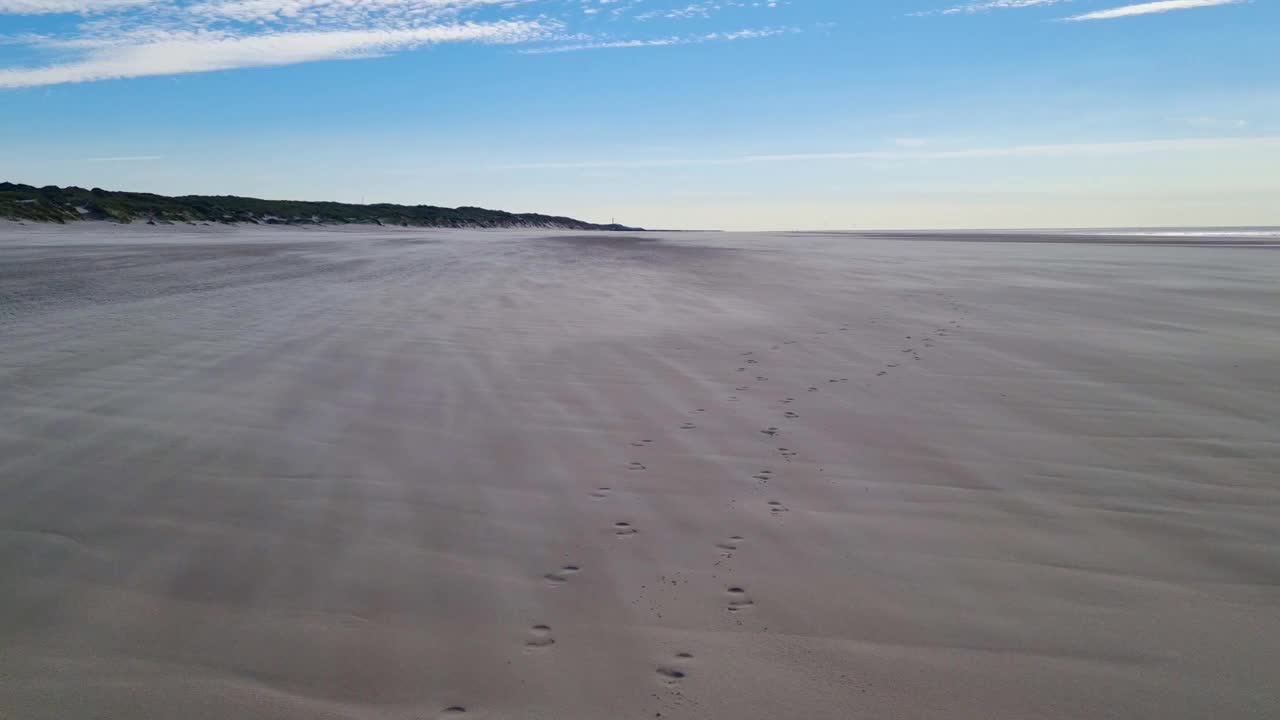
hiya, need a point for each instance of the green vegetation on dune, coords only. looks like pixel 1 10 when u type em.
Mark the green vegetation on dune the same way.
pixel 55 204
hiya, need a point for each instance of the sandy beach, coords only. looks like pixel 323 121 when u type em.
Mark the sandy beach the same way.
pixel 385 474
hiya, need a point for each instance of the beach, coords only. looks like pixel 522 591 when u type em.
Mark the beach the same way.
pixel 400 474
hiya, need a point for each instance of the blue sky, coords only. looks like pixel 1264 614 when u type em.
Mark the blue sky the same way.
pixel 745 114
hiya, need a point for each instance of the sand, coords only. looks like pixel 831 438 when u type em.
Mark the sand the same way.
pixel 393 474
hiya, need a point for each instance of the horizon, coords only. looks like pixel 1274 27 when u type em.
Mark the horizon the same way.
pixel 728 114
pixel 833 230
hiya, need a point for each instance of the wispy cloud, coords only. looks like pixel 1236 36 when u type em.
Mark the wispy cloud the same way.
pixel 658 42
pixel 124 158
pixel 1209 121
pixel 1148 8
pixel 986 6
pixel 116 39
pixel 171 53
pixel 1101 149
pixel 300 10
pixel 50 7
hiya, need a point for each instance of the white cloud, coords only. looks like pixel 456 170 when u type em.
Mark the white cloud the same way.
pixel 115 39
pixel 658 42
pixel 987 6
pixel 654 42
pixel 257 10
pixel 243 9
pixel 49 7
pixel 1148 8
pixel 202 51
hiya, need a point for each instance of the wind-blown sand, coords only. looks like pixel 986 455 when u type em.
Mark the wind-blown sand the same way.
pixel 306 474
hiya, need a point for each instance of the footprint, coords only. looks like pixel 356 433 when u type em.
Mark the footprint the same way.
pixel 770 431
pixel 733 398
pixel 788 454
pixel 670 675
pixel 791 415
pixel 635 466
pixel 738 599
pixel 761 378
pixel 729 545
pixel 623 529
pixel 601 492
pixel 777 507
pixel 688 426
pixel 882 372
pixel 540 637
pixel 561 576
pixel 741 388
pixel 453 711
pixel 813 388
pixel 752 362
pixel 640 443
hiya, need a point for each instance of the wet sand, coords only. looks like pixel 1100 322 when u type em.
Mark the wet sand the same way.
pixel 392 474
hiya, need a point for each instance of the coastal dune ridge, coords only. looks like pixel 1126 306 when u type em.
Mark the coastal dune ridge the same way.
pixel 402 473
